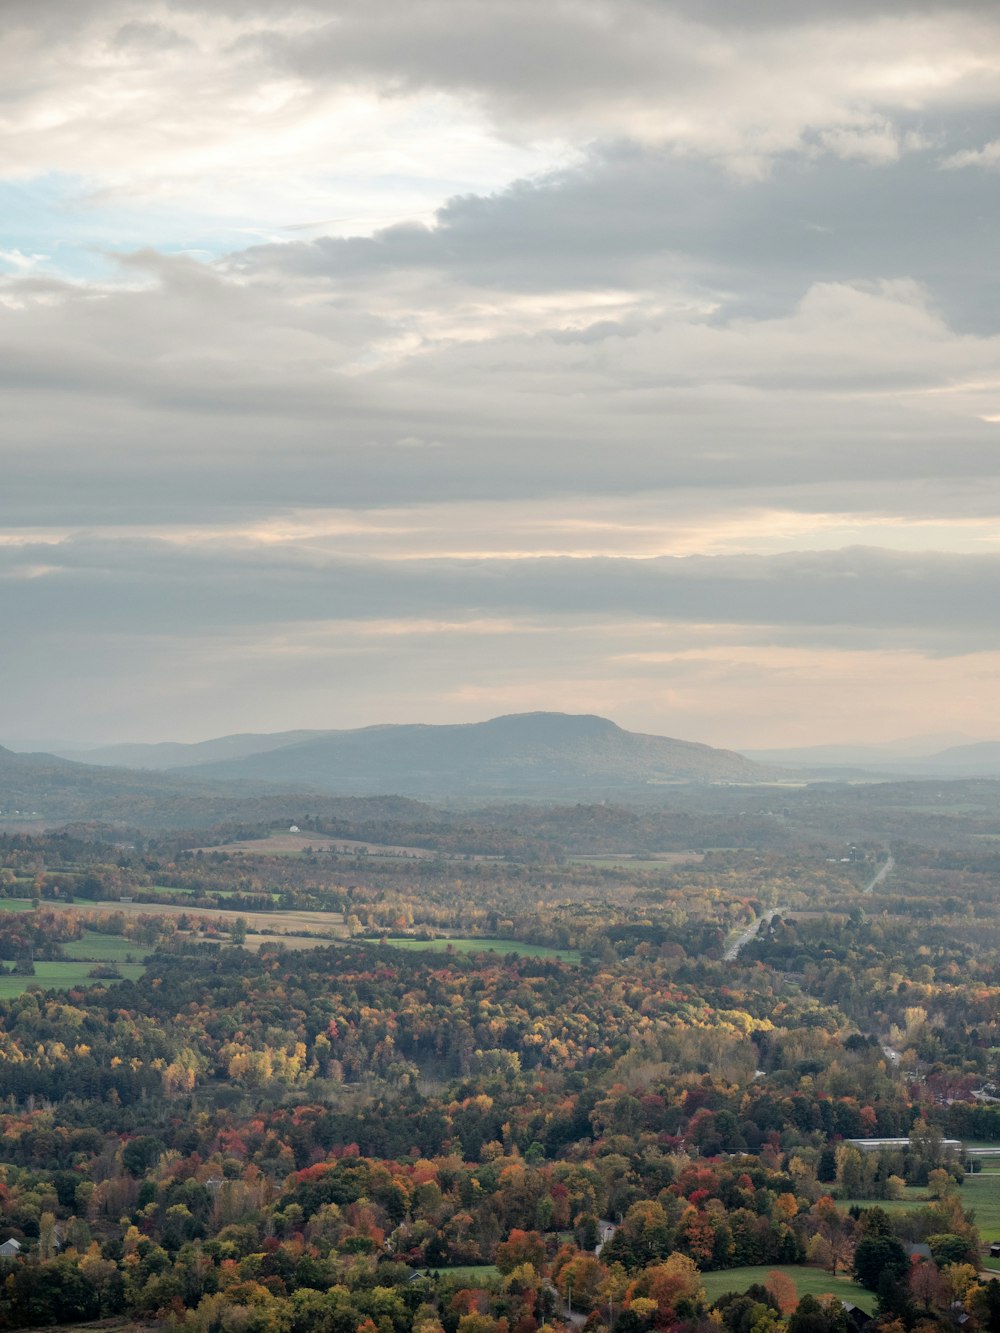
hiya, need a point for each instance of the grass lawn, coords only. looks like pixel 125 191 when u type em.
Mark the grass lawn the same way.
pixel 808 1282
pixel 980 1194
pixel 49 976
pixel 468 1272
pixel 16 905
pixel 462 945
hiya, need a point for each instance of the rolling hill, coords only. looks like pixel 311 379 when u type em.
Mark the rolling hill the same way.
pixel 530 755
pixel 46 790
pixel 522 752
pixel 167 755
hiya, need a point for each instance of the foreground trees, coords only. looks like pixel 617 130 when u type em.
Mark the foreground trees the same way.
pixel 356 1136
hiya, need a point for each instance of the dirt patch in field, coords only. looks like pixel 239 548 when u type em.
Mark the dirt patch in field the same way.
pixel 646 861
pixel 330 924
pixel 295 844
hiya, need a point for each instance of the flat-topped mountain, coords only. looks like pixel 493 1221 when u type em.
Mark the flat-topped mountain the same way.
pixel 523 751
pixel 532 755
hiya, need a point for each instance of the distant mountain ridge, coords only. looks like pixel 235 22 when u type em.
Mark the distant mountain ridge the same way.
pixel 521 750
pixel 980 759
pixel 55 790
pixel 976 759
pixel 166 755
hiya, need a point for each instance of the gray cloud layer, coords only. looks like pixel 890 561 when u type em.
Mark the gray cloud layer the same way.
pixel 928 601
pixel 753 288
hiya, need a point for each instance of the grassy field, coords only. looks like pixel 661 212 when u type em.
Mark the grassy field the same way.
pixel 232 893
pixel 463 945
pixel 981 1195
pixel 624 861
pixel 808 1282
pixel 164 890
pixel 254 942
pixel 469 1271
pixel 300 844
pixel 915 1197
pixel 330 923
pixel 105 948
pixel 16 905
pixel 59 975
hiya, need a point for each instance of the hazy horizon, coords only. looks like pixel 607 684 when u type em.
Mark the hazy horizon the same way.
pixel 435 361
pixel 903 746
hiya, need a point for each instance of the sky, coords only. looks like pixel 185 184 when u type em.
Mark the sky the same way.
pixel 427 360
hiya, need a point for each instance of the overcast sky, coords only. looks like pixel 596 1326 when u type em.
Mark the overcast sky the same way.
pixel 424 360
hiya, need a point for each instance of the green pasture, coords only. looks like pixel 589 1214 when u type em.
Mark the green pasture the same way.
pixel 104 948
pixel 465 945
pixel 49 976
pixel 915 1196
pixel 16 905
pixel 468 1272
pixel 238 893
pixel 980 1194
pixel 808 1282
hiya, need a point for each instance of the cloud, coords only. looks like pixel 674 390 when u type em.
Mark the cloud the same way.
pixel 142 101
pixel 687 75
pixel 925 601
pixel 200 392
pixel 987 156
pixel 203 639
pixel 642 323
pixel 641 223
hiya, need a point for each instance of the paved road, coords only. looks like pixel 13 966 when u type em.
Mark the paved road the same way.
pixel 880 875
pixel 745 936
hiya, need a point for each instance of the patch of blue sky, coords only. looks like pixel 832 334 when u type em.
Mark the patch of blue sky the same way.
pixel 57 226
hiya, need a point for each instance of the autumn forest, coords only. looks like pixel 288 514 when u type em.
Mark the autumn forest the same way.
pixel 725 1064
